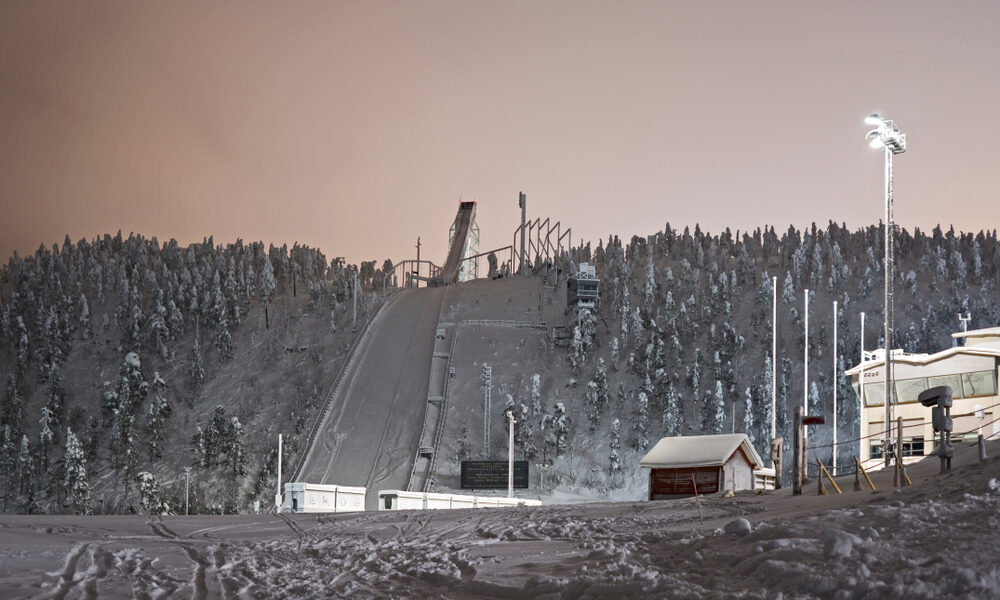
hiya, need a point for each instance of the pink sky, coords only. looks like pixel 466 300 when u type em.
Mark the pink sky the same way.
pixel 356 127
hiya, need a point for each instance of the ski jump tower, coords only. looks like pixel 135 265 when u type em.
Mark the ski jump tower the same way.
pixel 463 242
pixel 468 269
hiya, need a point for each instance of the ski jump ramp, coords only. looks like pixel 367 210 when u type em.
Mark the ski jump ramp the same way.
pixel 370 427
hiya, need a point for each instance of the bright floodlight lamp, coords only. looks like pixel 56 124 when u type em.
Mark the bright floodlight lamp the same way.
pixel 886 135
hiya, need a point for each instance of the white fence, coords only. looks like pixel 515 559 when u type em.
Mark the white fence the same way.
pixel 405 500
pixel 317 498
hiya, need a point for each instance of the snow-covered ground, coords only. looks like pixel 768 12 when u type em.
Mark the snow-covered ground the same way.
pixel 934 539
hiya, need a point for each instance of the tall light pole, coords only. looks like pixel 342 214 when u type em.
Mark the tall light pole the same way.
pixel 774 356
pixel 861 385
pixel 805 363
pixel 892 141
pixel 834 387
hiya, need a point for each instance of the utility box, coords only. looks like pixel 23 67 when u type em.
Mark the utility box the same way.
pixel 318 498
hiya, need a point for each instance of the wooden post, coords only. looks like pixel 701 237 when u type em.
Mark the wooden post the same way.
pixel 901 469
pixel 823 471
pixel 865 473
pixel 777 452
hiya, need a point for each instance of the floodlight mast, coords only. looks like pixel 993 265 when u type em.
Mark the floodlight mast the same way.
pixel 892 141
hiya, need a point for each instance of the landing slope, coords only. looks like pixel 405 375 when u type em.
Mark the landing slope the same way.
pixel 370 435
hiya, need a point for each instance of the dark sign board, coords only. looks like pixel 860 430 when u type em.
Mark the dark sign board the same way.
pixel 492 474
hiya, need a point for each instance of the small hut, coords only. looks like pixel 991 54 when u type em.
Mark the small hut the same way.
pixel 680 466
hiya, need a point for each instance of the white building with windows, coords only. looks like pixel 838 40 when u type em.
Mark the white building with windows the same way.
pixel 971 372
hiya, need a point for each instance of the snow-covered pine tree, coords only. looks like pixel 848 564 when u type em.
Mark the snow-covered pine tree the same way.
pixel 195 371
pixel 522 434
pixel 673 412
pixel 615 444
pixel 748 415
pixel 45 438
pixel 267 286
pixel 236 448
pixel 720 408
pixel 788 289
pixel 8 465
pixel 75 484
pixel 561 426
pixel 536 396
pixel 592 406
pixel 159 410
pixel 640 440
pixel 25 467
pixel 224 340
pixel 151 498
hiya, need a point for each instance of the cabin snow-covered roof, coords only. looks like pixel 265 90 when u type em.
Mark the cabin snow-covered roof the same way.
pixel 699 451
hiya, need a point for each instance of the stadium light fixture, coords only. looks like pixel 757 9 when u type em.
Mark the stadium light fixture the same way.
pixel 892 141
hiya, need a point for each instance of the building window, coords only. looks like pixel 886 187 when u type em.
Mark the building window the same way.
pixel 913 446
pixel 979 383
pixel 874 394
pixel 875 450
pixel 951 381
pixel 909 389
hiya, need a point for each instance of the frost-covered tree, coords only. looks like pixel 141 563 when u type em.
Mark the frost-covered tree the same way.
pixel 156 415
pixel 593 406
pixel 151 497
pixel 615 445
pixel 8 465
pixel 673 412
pixel 640 439
pixel 561 428
pixel 748 415
pixel 45 437
pixel 815 407
pixel 523 438
pixel 267 287
pixel 75 484
pixel 224 340
pixel 236 450
pixel 536 396
pixel 195 371
pixel 615 353
pixel 788 289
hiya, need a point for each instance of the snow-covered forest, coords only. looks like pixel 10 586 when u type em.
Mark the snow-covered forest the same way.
pixel 681 342
pixel 126 360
